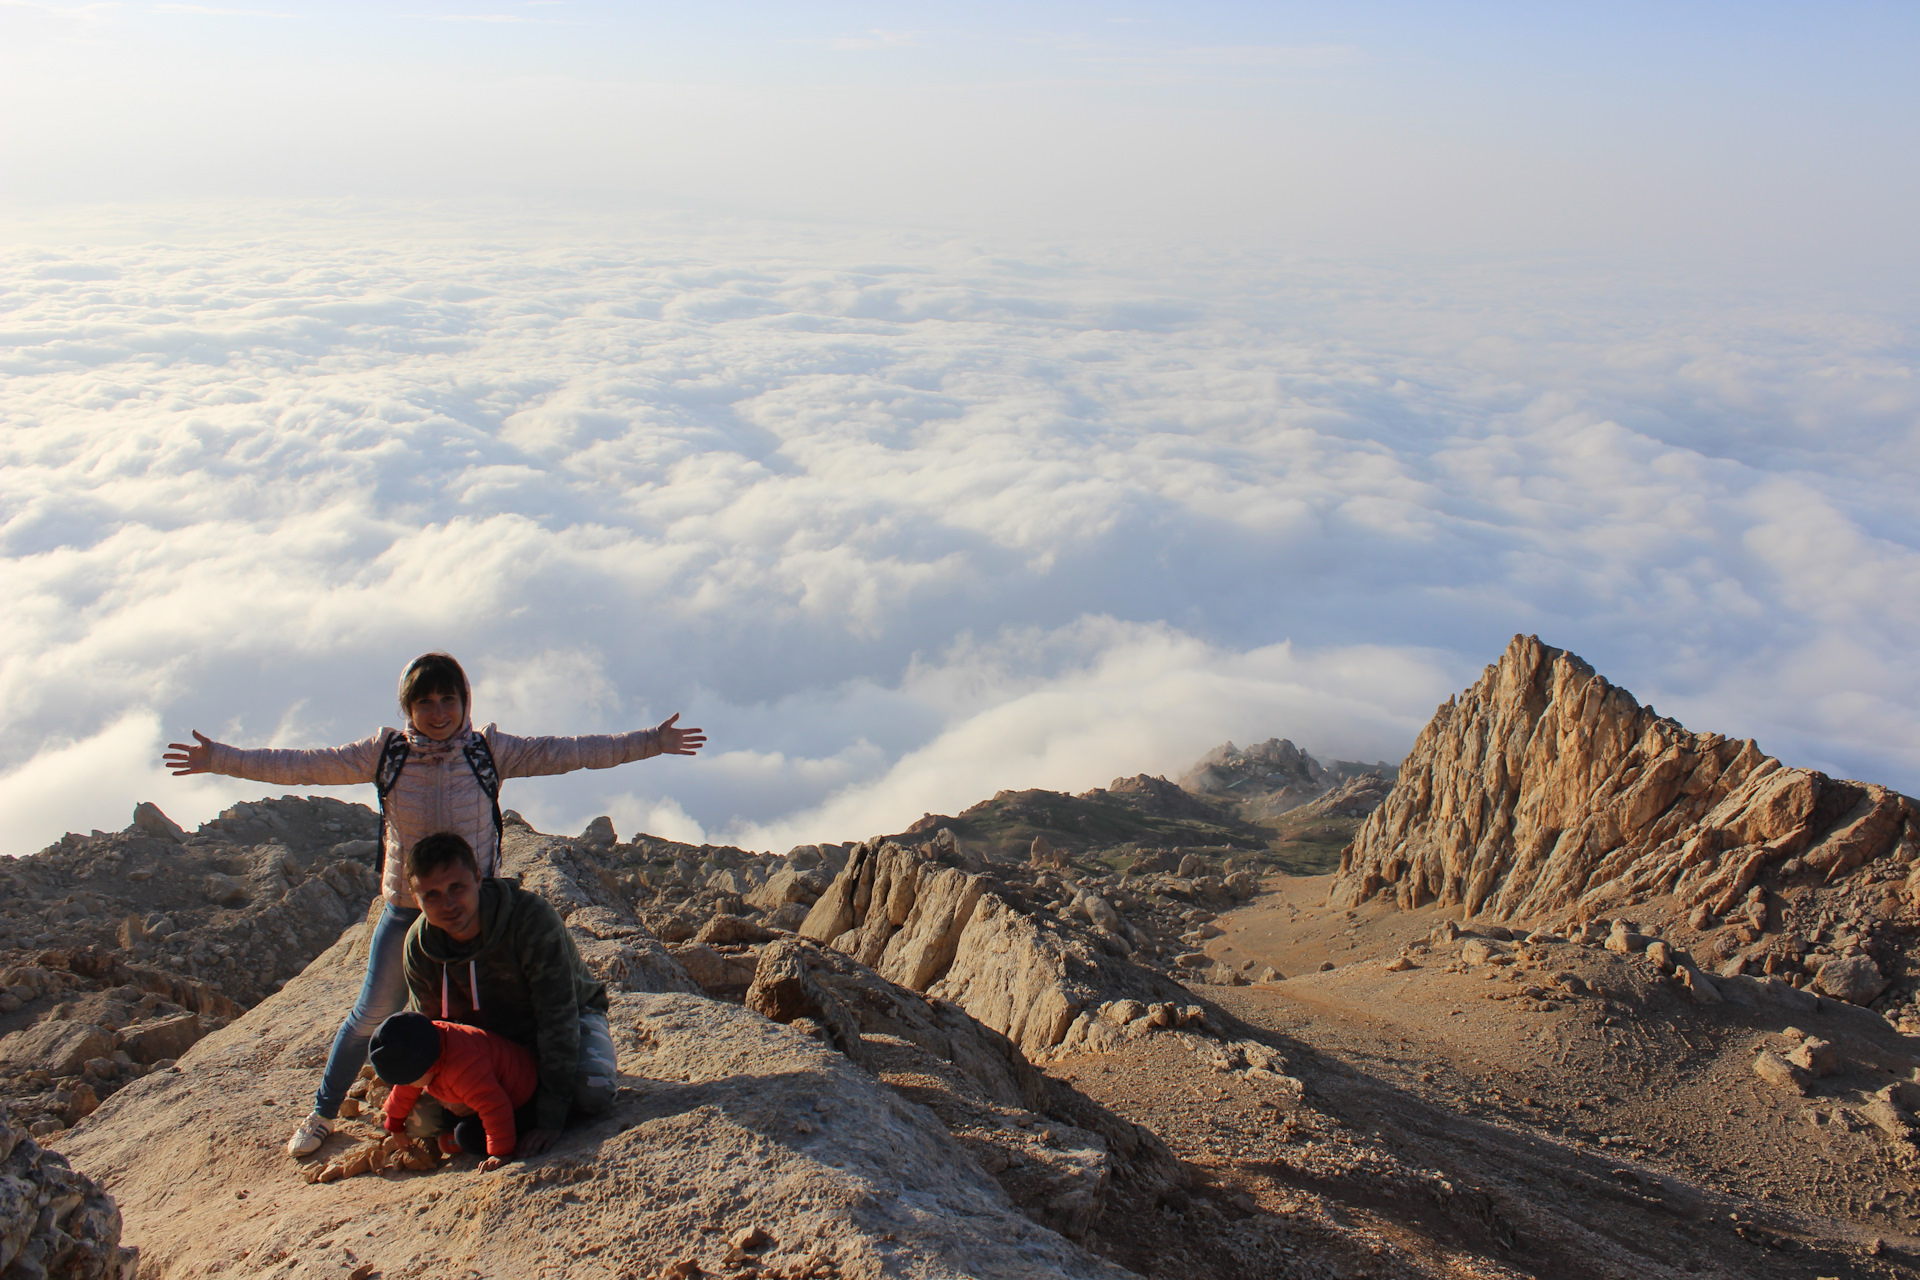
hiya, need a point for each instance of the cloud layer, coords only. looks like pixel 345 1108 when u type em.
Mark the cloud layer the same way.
pixel 903 522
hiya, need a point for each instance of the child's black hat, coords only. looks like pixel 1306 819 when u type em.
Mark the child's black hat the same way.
pixel 404 1048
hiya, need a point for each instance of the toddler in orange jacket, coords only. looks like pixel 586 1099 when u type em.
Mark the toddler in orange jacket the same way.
pixel 475 1074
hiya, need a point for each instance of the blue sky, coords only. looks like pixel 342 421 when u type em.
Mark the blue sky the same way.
pixel 930 400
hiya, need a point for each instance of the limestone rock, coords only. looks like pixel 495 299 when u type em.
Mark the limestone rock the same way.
pixel 940 930
pixel 1543 788
pixel 783 887
pixel 701 1143
pixel 225 890
pixel 1777 1071
pixel 1042 854
pixel 58 1046
pixel 1703 989
pixel 716 972
pixel 148 818
pixel 1660 955
pixel 725 930
pixel 1817 1057
pixel 166 1038
pixel 55 1221
pixel 1855 979
pixel 599 833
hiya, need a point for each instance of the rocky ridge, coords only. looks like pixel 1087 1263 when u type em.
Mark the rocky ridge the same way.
pixel 1273 777
pixel 1545 790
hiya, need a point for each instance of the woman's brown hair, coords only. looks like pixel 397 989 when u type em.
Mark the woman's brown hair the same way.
pixel 432 673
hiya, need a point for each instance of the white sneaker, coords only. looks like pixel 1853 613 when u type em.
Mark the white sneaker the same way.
pixel 307 1138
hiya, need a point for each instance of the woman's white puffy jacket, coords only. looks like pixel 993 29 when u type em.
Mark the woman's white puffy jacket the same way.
pixel 436 790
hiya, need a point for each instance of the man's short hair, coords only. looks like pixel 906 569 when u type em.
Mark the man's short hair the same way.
pixel 441 849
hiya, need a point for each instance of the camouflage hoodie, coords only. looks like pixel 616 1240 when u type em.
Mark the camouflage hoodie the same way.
pixel 520 977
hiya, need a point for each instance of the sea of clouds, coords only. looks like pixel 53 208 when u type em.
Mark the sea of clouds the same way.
pixel 904 521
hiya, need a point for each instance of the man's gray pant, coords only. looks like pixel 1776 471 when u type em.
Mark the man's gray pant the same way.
pixel 594 1076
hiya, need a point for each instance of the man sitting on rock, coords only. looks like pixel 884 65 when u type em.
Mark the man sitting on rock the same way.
pixel 489 954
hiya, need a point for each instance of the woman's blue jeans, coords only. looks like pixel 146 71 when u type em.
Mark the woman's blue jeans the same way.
pixel 383 993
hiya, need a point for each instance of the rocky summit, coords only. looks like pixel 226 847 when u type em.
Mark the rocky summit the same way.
pixel 1545 789
pixel 1588 995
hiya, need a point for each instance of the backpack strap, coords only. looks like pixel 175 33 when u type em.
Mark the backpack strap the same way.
pixel 480 759
pixel 393 758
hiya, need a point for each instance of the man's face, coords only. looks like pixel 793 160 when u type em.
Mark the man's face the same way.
pixel 450 896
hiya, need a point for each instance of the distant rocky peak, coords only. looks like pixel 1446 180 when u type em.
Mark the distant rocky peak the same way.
pixel 1276 760
pixel 1545 788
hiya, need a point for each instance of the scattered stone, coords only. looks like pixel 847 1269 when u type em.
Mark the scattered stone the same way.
pixel 1400 964
pixel 1661 955
pixel 1622 938
pixel 1817 1057
pixel 1777 1071
pixel 1855 979
pixel 225 891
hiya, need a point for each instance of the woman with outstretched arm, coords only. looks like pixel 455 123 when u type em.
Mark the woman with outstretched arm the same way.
pixel 436 774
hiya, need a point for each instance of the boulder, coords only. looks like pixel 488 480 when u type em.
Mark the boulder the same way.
pixel 783 887
pixel 225 891
pixel 599 833
pixel 1478 951
pixel 718 974
pixel 1855 979
pixel 148 818
pixel 1817 1057
pixel 149 1042
pixel 1703 989
pixel 1042 854
pixel 1777 1071
pixel 1661 955
pixel 59 1046
pixel 725 930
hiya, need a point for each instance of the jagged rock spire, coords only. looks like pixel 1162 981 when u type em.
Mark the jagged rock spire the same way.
pixel 1544 787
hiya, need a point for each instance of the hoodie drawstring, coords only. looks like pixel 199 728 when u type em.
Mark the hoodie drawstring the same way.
pixel 473 989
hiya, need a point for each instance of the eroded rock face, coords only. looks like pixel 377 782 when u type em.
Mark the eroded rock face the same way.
pixel 945 932
pixel 1544 788
pixel 54 1221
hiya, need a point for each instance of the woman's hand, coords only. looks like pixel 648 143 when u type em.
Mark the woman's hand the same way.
pixel 675 741
pixel 183 759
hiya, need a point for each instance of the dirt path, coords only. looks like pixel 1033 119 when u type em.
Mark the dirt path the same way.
pixel 1625 1114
